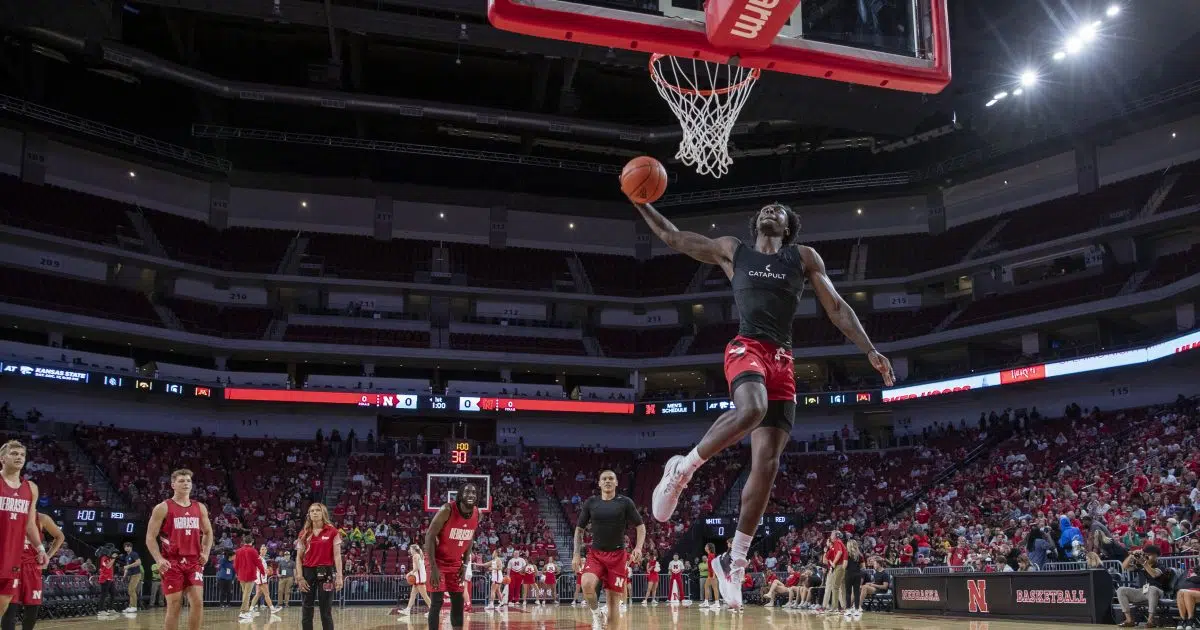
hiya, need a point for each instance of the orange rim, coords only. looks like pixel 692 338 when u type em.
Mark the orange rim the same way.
pixel 658 78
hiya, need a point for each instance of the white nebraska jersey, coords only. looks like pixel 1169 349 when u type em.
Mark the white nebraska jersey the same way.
pixel 516 565
pixel 497 568
pixel 676 566
pixel 419 569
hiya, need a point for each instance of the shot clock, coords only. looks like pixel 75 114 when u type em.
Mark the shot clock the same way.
pixel 460 452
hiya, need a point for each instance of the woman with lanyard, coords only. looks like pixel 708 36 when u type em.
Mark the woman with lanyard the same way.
pixel 319 551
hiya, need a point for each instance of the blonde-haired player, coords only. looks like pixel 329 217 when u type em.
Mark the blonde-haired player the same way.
pixel 20 497
pixel 495 569
pixel 419 577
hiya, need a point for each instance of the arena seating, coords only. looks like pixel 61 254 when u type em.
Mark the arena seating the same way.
pixel 357 336
pixel 80 297
pixel 272 483
pixel 510 267
pixel 234 322
pixel 63 212
pixel 1171 268
pixel 1043 297
pixel 626 276
pixel 505 343
pixel 1074 214
pixel 634 343
pixel 234 249
pixel 1186 191
pixel 905 254
pixel 352 256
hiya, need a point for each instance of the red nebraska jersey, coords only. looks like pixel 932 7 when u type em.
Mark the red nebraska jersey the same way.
pixel 14 515
pixel 455 537
pixel 179 537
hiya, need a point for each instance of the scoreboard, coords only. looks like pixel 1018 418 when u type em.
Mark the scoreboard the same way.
pixel 97 522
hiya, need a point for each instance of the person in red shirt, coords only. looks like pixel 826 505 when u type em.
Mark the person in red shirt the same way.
pixel 319 552
pixel 958 555
pixel 245 565
pixel 835 559
pixel 108 590
pixel 448 546
pixel 21 498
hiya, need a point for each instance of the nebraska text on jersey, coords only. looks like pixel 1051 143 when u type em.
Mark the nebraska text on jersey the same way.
pixel 15 505
pixel 187 522
pixel 459 533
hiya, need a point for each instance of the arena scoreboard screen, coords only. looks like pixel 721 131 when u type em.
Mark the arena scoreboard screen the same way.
pixel 96 522
pixel 722 527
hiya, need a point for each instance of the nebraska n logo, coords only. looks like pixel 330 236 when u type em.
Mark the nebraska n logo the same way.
pixel 977 596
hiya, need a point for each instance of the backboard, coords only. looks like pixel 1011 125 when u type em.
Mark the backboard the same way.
pixel 891 44
pixel 441 488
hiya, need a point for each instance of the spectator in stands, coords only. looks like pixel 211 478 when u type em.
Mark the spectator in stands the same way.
pixel 1036 547
pixel 1155 582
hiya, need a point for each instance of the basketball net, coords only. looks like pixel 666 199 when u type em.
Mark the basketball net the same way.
pixel 706 98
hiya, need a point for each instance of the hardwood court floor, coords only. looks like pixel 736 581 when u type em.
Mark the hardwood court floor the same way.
pixel 563 618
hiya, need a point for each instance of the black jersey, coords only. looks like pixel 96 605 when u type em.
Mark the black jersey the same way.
pixel 766 290
pixel 609 519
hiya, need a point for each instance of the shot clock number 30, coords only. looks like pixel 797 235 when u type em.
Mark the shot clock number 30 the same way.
pixel 461 453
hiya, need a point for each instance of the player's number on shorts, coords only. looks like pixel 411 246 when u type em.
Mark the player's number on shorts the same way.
pixel 619 582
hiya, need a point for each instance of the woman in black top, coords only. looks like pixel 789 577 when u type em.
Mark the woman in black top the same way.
pixel 854 559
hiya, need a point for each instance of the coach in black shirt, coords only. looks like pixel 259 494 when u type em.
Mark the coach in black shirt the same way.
pixel 609 515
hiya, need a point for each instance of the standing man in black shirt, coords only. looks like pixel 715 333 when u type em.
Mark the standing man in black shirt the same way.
pixel 609 515
pixel 768 277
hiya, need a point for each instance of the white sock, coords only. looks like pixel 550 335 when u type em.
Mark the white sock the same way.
pixel 692 462
pixel 741 545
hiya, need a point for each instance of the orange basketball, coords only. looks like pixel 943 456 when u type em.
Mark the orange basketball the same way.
pixel 508 580
pixel 412 579
pixel 644 179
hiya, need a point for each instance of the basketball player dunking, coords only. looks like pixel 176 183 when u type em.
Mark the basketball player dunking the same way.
pixel 179 538
pixel 18 522
pixel 768 278
pixel 448 544
pixel 607 563
pixel 29 593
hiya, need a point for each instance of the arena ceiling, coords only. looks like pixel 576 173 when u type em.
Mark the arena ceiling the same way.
pixel 422 91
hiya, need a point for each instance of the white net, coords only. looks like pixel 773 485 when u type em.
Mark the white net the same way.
pixel 706 98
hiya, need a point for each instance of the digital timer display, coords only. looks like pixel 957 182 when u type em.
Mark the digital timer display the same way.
pixel 91 522
pixel 461 453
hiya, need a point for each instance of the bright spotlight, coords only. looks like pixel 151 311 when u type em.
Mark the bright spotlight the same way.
pixel 1060 55
pixel 1029 78
pixel 1113 11
pixel 1018 91
pixel 1072 45
pixel 1000 96
pixel 990 103
pixel 1088 32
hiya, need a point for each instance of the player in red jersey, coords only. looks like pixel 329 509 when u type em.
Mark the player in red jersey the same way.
pixel 18 500
pixel 448 545
pixel 29 594
pixel 180 538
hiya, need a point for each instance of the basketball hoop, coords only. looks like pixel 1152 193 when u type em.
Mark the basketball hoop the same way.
pixel 706 99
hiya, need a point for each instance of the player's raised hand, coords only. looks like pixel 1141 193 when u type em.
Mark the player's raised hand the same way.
pixel 883 366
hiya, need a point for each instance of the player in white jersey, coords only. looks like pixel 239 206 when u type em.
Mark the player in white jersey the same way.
pixel 495 569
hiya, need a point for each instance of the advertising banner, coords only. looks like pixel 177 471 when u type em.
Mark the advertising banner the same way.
pixel 1042 595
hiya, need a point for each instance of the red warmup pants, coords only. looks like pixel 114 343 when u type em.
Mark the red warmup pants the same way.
pixel 675 593
pixel 515 580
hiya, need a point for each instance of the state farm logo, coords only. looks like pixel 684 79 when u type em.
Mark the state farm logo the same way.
pixel 753 17
pixel 766 273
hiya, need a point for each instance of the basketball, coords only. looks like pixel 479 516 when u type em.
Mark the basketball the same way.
pixel 412 579
pixel 644 179
pixel 508 580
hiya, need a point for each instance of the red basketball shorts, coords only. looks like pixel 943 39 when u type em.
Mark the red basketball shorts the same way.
pixel 184 573
pixel 29 591
pixel 611 567
pixel 746 357
pixel 451 575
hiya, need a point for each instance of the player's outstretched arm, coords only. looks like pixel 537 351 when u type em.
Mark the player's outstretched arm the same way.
pixel 841 314
pixel 718 251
